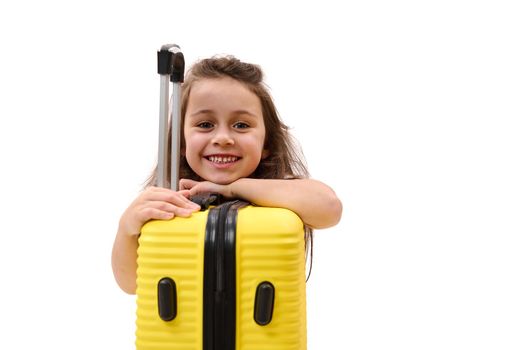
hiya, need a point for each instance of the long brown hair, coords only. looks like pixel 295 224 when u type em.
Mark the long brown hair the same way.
pixel 285 159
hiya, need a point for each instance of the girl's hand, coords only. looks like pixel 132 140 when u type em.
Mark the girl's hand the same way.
pixel 155 203
pixel 196 187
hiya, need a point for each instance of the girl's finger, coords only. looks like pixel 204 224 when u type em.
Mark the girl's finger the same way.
pixel 184 212
pixel 169 207
pixel 176 198
pixel 186 184
pixel 184 193
pixel 181 200
pixel 151 189
pixel 205 186
pixel 150 213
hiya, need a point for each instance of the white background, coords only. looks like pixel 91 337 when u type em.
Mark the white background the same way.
pixel 413 111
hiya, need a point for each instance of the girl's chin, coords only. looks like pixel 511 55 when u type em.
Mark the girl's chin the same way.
pixel 221 180
pixel 225 182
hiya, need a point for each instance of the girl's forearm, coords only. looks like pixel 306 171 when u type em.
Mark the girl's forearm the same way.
pixel 314 202
pixel 124 261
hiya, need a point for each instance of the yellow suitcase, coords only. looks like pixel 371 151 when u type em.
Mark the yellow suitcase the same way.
pixel 231 277
pixel 207 282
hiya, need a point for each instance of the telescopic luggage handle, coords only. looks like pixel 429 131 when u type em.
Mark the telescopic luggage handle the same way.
pixel 170 66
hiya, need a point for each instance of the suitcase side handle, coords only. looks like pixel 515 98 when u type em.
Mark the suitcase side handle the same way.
pixel 264 303
pixel 167 299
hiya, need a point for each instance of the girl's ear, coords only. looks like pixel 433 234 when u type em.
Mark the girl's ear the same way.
pixel 265 154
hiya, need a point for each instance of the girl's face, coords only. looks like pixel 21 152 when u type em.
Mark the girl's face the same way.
pixel 224 130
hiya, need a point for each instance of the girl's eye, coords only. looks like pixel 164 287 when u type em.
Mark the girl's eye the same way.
pixel 205 125
pixel 241 125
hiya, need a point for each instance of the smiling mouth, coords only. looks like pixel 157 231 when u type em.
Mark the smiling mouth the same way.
pixel 222 159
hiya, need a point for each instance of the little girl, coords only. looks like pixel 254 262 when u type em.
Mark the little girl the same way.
pixel 234 144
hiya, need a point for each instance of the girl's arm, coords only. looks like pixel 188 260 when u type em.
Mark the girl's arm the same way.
pixel 314 202
pixel 153 203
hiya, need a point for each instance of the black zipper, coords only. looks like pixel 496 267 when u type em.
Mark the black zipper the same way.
pixel 219 290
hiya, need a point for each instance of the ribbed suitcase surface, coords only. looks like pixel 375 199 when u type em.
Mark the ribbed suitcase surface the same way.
pixel 269 248
pixel 171 248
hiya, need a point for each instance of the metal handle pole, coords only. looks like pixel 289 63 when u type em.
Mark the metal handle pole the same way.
pixel 170 65
pixel 177 78
pixel 162 162
pixel 176 136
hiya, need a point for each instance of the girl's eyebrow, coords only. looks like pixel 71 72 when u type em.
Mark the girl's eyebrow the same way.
pixel 236 112
pixel 244 112
pixel 202 111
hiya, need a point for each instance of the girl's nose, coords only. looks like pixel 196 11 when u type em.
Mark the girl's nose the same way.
pixel 223 137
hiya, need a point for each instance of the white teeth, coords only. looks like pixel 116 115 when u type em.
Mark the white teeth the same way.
pixel 222 160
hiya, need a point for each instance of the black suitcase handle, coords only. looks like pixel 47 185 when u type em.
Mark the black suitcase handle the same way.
pixel 167 299
pixel 205 200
